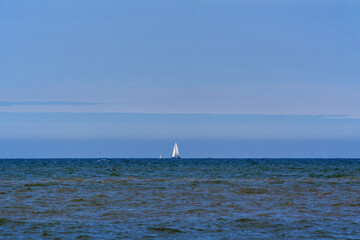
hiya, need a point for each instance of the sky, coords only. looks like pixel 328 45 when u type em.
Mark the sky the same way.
pixel 229 78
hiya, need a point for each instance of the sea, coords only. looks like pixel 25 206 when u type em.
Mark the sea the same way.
pixel 180 199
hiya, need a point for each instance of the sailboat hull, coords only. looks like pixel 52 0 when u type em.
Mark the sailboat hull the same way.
pixel 176 157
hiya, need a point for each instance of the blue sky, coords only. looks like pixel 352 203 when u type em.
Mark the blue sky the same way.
pixel 268 78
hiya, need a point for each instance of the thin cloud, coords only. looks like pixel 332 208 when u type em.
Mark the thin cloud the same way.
pixel 44 103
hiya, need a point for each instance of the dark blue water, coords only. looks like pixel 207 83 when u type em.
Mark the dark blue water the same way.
pixel 180 199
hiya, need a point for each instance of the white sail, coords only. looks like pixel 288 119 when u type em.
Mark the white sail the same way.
pixel 176 153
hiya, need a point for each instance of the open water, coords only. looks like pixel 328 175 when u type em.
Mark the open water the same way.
pixel 180 199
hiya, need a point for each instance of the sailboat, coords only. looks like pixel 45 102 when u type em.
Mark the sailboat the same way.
pixel 176 153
